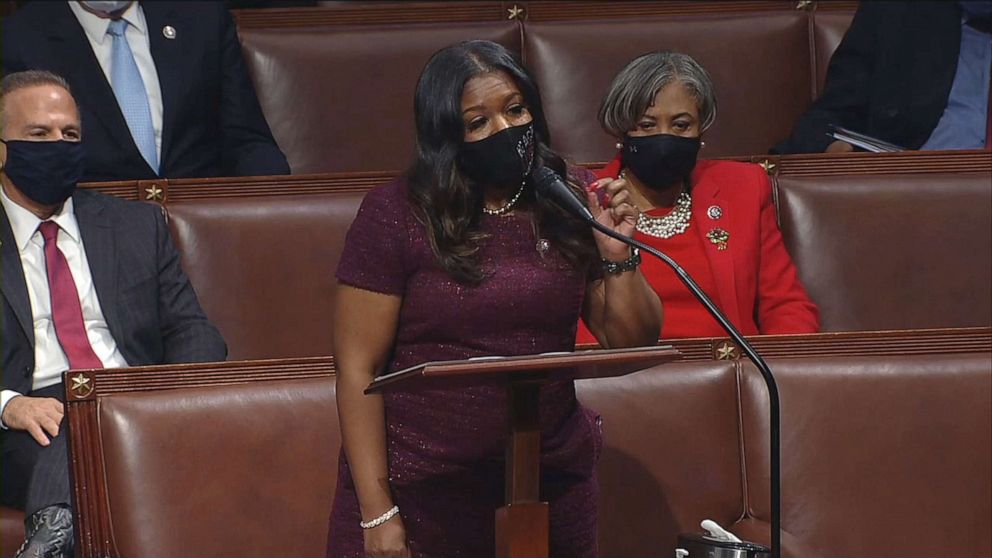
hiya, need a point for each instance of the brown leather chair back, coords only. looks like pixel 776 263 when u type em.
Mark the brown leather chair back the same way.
pixel 882 457
pixel 829 28
pixel 186 470
pixel 11 531
pixel 759 63
pixel 263 267
pixel 671 456
pixel 892 251
pixel 340 98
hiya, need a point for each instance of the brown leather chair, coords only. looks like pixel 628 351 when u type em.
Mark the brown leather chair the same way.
pixel 882 457
pixel 244 467
pixel 263 267
pixel 892 251
pixel 671 454
pixel 336 84
pixel 11 531
pixel 340 98
pixel 759 62
pixel 829 27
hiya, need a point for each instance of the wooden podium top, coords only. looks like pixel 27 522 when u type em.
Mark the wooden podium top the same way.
pixel 498 370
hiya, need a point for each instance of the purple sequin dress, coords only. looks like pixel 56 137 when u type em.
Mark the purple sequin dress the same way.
pixel 446 448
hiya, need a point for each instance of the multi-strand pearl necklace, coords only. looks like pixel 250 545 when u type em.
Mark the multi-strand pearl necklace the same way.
pixel 676 222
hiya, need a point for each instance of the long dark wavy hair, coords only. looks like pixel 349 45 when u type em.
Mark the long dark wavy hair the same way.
pixel 449 203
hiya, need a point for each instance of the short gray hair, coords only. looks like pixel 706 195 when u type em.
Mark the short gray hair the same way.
pixel 634 89
pixel 23 80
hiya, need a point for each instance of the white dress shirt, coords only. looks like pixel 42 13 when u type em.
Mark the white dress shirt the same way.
pixel 49 359
pixel 137 38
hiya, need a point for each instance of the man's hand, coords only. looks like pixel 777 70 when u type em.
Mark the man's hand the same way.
pixel 37 415
pixel 839 147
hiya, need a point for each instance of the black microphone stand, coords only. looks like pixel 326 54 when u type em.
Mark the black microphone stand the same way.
pixel 766 373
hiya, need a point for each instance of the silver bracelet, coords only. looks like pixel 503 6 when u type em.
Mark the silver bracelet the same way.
pixel 381 519
pixel 630 264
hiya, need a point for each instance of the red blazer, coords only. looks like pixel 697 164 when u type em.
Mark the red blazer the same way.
pixel 756 282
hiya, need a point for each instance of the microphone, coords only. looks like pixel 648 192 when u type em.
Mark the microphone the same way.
pixel 549 185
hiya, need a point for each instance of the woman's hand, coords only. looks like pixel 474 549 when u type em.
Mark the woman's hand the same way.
pixel 614 211
pixel 387 540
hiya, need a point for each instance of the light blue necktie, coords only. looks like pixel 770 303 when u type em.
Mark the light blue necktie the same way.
pixel 130 92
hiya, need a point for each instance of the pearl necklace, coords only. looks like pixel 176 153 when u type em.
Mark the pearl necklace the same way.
pixel 676 222
pixel 509 205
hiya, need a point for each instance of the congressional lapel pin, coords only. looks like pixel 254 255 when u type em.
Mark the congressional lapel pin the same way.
pixel 169 32
pixel 714 212
pixel 719 237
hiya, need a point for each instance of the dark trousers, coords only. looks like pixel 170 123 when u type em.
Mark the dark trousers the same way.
pixel 32 476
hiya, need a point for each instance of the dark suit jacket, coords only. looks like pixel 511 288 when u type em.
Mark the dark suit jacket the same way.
pixel 212 124
pixel 889 78
pixel 147 300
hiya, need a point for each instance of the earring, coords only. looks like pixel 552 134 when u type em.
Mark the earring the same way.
pixel 619 146
pixel 702 144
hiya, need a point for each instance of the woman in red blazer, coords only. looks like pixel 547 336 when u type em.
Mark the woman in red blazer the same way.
pixel 715 218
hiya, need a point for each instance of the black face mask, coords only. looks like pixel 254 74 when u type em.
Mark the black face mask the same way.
pixel 504 158
pixel 660 161
pixel 45 171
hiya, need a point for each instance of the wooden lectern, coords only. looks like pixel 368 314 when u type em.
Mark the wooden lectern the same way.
pixel 522 524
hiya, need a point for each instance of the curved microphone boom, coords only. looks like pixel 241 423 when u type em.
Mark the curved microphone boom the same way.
pixel 549 185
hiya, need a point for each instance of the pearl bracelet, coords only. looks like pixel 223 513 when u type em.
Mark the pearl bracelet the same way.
pixel 381 519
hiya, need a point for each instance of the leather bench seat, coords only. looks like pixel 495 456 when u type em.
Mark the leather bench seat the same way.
pixel 883 456
pixel 894 251
pixel 242 471
pixel 340 98
pixel 11 531
pixel 263 267
pixel 759 64
pixel 336 84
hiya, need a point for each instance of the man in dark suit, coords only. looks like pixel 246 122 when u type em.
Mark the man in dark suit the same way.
pixel 915 74
pixel 162 86
pixel 88 281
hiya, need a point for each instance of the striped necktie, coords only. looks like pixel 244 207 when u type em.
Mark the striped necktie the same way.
pixel 129 89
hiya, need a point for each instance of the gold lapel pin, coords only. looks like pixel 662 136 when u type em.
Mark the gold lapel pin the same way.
pixel 719 237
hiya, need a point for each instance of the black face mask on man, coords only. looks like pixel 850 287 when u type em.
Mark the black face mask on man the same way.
pixel 660 161
pixel 502 159
pixel 45 171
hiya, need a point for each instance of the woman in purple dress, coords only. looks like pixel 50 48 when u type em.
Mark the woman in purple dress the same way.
pixel 460 259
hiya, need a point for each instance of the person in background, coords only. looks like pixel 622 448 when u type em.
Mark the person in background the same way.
pixel 715 218
pixel 460 259
pixel 88 281
pixel 914 74
pixel 162 86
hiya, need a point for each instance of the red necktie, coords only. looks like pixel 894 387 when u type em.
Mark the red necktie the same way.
pixel 66 311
